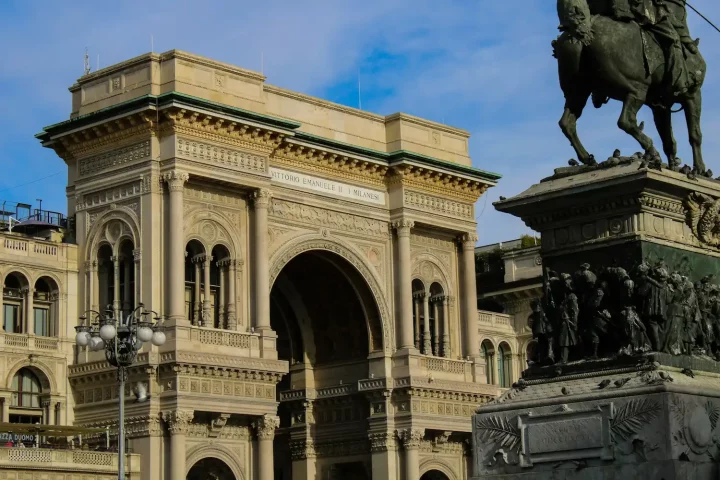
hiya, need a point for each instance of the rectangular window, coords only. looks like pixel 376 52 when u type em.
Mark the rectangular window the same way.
pixel 42 325
pixel 12 318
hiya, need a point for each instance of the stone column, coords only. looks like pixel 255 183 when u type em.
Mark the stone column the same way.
pixel 178 422
pixel 45 404
pixel 404 278
pixel 197 261
pixel 469 304
pixel 436 329
pixel 90 273
pixel 383 448
pixel 175 285
pixel 262 268
pixel 2 307
pixel 221 295
pixel 427 343
pixel 30 311
pixel 416 305
pixel 5 409
pixel 127 305
pixel 58 409
pixel 446 327
pixel 411 439
pixel 137 257
pixel 232 293
pixel 265 427
pixel 116 286
pixel 206 318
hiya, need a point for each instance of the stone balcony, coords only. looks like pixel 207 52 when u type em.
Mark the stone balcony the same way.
pixel 31 343
pixel 39 463
pixel 36 251
pixel 497 322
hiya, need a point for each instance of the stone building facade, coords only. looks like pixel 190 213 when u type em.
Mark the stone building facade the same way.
pixel 509 277
pixel 314 266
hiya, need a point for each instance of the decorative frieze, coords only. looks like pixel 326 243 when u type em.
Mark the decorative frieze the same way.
pixel 226 157
pixel 114 158
pixel 321 217
pixel 441 184
pixel 103 197
pixel 442 206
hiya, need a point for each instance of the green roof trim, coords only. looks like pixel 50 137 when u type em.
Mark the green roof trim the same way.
pixel 148 101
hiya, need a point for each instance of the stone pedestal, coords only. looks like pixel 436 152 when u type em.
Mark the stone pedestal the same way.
pixel 638 418
pixel 622 216
pixel 632 414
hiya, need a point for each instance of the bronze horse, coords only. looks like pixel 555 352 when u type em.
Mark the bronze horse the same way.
pixel 608 58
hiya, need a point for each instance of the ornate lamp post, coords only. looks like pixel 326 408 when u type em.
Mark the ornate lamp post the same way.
pixel 121 338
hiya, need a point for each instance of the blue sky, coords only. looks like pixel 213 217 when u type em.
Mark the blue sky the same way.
pixel 481 65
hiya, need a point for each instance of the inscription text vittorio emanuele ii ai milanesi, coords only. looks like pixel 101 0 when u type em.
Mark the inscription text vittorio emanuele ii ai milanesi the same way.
pixel 329 187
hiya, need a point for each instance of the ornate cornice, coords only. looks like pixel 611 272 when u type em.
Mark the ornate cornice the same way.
pixel 332 164
pixel 440 183
pixel 107 135
pixel 251 137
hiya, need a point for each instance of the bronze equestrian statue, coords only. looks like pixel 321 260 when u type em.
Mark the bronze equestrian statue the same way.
pixel 638 52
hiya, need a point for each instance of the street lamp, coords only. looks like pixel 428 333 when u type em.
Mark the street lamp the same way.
pixel 121 338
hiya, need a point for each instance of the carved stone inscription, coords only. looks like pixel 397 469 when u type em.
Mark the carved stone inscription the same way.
pixel 565 435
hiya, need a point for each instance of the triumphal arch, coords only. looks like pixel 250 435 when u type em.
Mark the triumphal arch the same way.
pixel 313 263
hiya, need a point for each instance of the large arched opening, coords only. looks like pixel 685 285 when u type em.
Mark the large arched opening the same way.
pixel 434 475
pixel 327 323
pixel 210 469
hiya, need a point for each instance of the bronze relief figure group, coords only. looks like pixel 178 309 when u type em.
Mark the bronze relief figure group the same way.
pixel 588 315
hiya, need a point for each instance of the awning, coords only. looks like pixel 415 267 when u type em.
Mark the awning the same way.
pixel 48 430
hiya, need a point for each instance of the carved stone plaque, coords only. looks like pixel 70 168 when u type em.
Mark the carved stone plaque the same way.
pixel 566 435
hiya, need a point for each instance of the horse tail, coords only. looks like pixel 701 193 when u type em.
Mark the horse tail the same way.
pixel 576 20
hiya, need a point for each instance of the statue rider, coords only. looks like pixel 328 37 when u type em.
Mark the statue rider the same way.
pixel 672 33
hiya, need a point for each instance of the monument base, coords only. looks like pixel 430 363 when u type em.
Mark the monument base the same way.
pixel 650 416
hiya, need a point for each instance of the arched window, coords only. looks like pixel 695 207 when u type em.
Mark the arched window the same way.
pixel 106 272
pixel 126 277
pixel 219 279
pixel 25 389
pixel 438 322
pixel 488 353
pixel 505 365
pixel 45 307
pixel 15 291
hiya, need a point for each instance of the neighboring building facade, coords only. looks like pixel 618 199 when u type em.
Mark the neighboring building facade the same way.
pixel 509 277
pixel 314 265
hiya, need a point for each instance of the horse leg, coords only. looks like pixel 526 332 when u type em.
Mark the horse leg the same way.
pixel 628 123
pixel 693 111
pixel 574 106
pixel 663 123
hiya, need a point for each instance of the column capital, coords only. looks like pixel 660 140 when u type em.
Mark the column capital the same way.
pixel 411 437
pixel 403 227
pixel 176 179
pixel 45 404
pixel 382 441
pixel 137 254
pixel 265 426
pixel 468 240
pixel 261 198
pixel 178 421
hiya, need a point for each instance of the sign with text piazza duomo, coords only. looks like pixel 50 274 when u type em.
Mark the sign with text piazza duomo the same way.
pixel 329 187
